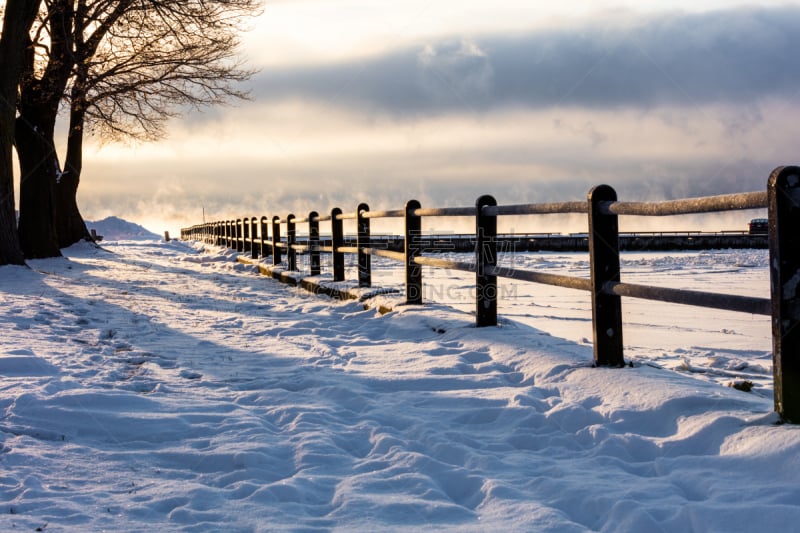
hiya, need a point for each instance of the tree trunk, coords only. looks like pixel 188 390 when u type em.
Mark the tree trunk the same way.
pixel 69 222
pixel 70 225
pixel 10 251
pixel 17 20
pixel 38 168
pixel 35 131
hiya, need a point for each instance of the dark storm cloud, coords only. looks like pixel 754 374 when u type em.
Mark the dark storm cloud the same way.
pixel 731 56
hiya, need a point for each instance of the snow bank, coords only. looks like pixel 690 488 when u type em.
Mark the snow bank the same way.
pixel 117 229
pixel 164 386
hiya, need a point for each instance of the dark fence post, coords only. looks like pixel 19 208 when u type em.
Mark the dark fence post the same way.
pixel 263 234
pixel 604 259
pixel 412 247
pixel 228 240
pixel 253 229
pixel 313 243
pixel 238 234
pixel 276 240
pixel 364 259
pixel 337 241
pixel 291 239
pixel 783 189
pixel 246 234
pixel 485 256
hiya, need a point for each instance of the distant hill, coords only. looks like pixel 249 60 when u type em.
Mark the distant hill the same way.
pixel 117 229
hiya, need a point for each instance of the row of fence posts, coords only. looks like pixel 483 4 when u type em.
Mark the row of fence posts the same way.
pixel 782 200
pixel 603 245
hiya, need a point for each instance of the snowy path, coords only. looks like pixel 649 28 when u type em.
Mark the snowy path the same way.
pixel 167 387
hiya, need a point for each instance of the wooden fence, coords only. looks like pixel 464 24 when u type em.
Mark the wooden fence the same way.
pixel 262 237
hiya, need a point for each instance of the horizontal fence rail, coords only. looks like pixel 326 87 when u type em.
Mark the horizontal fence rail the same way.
pixel 263 237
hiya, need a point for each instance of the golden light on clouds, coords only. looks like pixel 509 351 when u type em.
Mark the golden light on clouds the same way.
pixel 444 101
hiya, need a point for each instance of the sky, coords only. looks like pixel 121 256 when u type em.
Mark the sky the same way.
pixel 443 101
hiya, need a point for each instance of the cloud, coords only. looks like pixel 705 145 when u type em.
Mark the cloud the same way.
pixel 276 158
pixel 727 56
pixel 455 71
pixel 658 107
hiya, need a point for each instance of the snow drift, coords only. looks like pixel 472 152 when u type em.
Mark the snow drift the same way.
pixel 165 386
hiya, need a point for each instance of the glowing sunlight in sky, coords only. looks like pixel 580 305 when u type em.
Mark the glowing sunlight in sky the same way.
pixel 444 101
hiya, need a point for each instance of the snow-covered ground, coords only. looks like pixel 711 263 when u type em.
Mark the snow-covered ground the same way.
pixel 164 386
pixel 717 345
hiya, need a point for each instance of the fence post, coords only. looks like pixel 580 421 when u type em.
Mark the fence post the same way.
pixel 364 259
pixel 276 239
pixel 291 239
pixel 238 234
pixel 313 243
pixel 263 234
pixel 246 235
pixel 337 241
pixel 783 189
pixel 412 248
pixel 227 234
pixel 485 256
pixel 604 264
pixel 253 229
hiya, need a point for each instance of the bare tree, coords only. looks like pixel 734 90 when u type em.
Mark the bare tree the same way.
pixel 123 66
pixel 152 63
pixel 18 17
pixel 47 68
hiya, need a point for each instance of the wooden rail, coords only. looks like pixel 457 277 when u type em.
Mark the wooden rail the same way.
pixel 782 199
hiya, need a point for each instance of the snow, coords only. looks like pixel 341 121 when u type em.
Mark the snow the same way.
pixel 165 386
pixel 116 229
